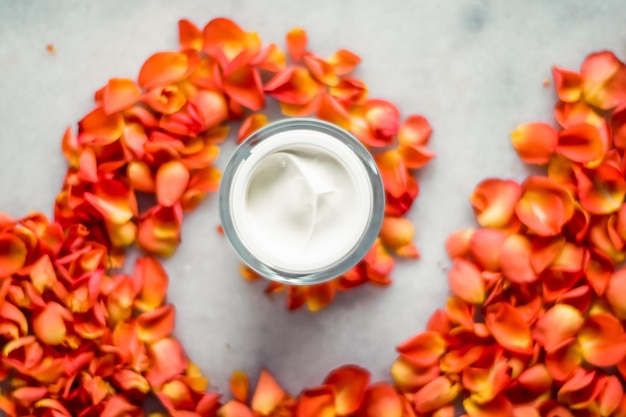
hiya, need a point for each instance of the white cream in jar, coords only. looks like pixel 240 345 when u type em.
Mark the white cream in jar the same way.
pixel 301 203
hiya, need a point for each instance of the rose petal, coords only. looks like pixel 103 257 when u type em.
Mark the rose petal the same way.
pixel 165 68
pixel 98 128
pixel 408 377
pixel 119 94
pixel 319 296
pixel 168 360
pixel 604 80
pixel 536 378
pixel 485 246
pixel 545 206
pixel 293 86
pixel 465 281
pixel 244 86
pixel 494 202
pixel 534 142
pixel 434 395
pixel 515 261
pixel 321 70
pixel 172 179
pixel 239 386
pixel 602 340
pixel 510 330
pixel 252 123
pixel 602 190
pixel 568 84
pixel 49 324
pixel 349 383
pixel 156 324
pixel 559 324
pixel 296 43
pixel 343 61
pixel 225 41
pixel 13 254
pixel 498 407
pixel 234 409
pixel 268 394
pixel 189 35
pixel 152 280
pixel 581 143
pixel 316 402
pixel 381 400
pixel 424 349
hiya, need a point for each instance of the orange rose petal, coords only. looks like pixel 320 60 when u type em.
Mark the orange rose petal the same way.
pixel 602 340
pixel 458 243
pixel 378 125
pixel 189 35
pixel 120 406
pixel 570 259
pixel 293 86
pixel 349 91
pixel 28 395
pixel 568 84
pixel 164 68
pixel 602 190
pixel 166 99
pixel 508 328
pixel 129 380
pixel 415 130
pixel 98 128
pixel 615 293
pixel 494 202
pixel 349 383
pixel 534 142
pixel 545 206
pixel 581 143
pixel 49 324
pixel 604 80
pixel 559 324
pixel 343 61
pixel 271 58
pixel 156 324
pixel 250 125
pixel 466 282
pixel 267 395
pixel 119 94
pixel 152 279
pixel 239 386
pixel 485 384
pixel 408 377
pixel 172 179
pixel 141 177
pixel 515 259
pixel 536 378
pixel 331 110
pixel 321 70
pixel 484 248
pixel 381 400
pixel 316 402
pixel 611 396
pixel 319 296
pixel 225 41
pixel 244 87
pixel 460 312
pixel 296 43
pixel 396 232
pixel 234 409
pixel 434 395
pixel 424 349
pixel 13 254
pixel 498 407
pixel 168 360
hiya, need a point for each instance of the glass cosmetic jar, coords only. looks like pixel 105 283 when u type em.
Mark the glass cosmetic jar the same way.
pixel 301 201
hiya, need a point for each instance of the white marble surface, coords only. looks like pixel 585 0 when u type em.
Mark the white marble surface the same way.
pixel 474 68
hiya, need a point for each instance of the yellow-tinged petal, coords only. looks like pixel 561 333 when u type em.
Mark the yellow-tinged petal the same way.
pixel 568 84
pixel 381 400
pixel 49 324
pixel 164 68
pixel 494 202
pixel 239 386
pixel 545 206
pixel 424 349
pixel 498 407
pixel 408 377
pixel 296 43
pixel 436 394
pixel 268 394
pixel 234 409
pixel 152 279
pixel 604 80
pixel 172 179
pixel 515 259
pixel 119 94
pixel 349 384
pixel 465 281
pixel 509 329
pixel 534 142
pixel 557 325
pixel 156 324
pixel 602 340
pixel 12 254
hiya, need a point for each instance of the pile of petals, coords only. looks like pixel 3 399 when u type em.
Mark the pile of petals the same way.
pixel 535 325
pixel 144 155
